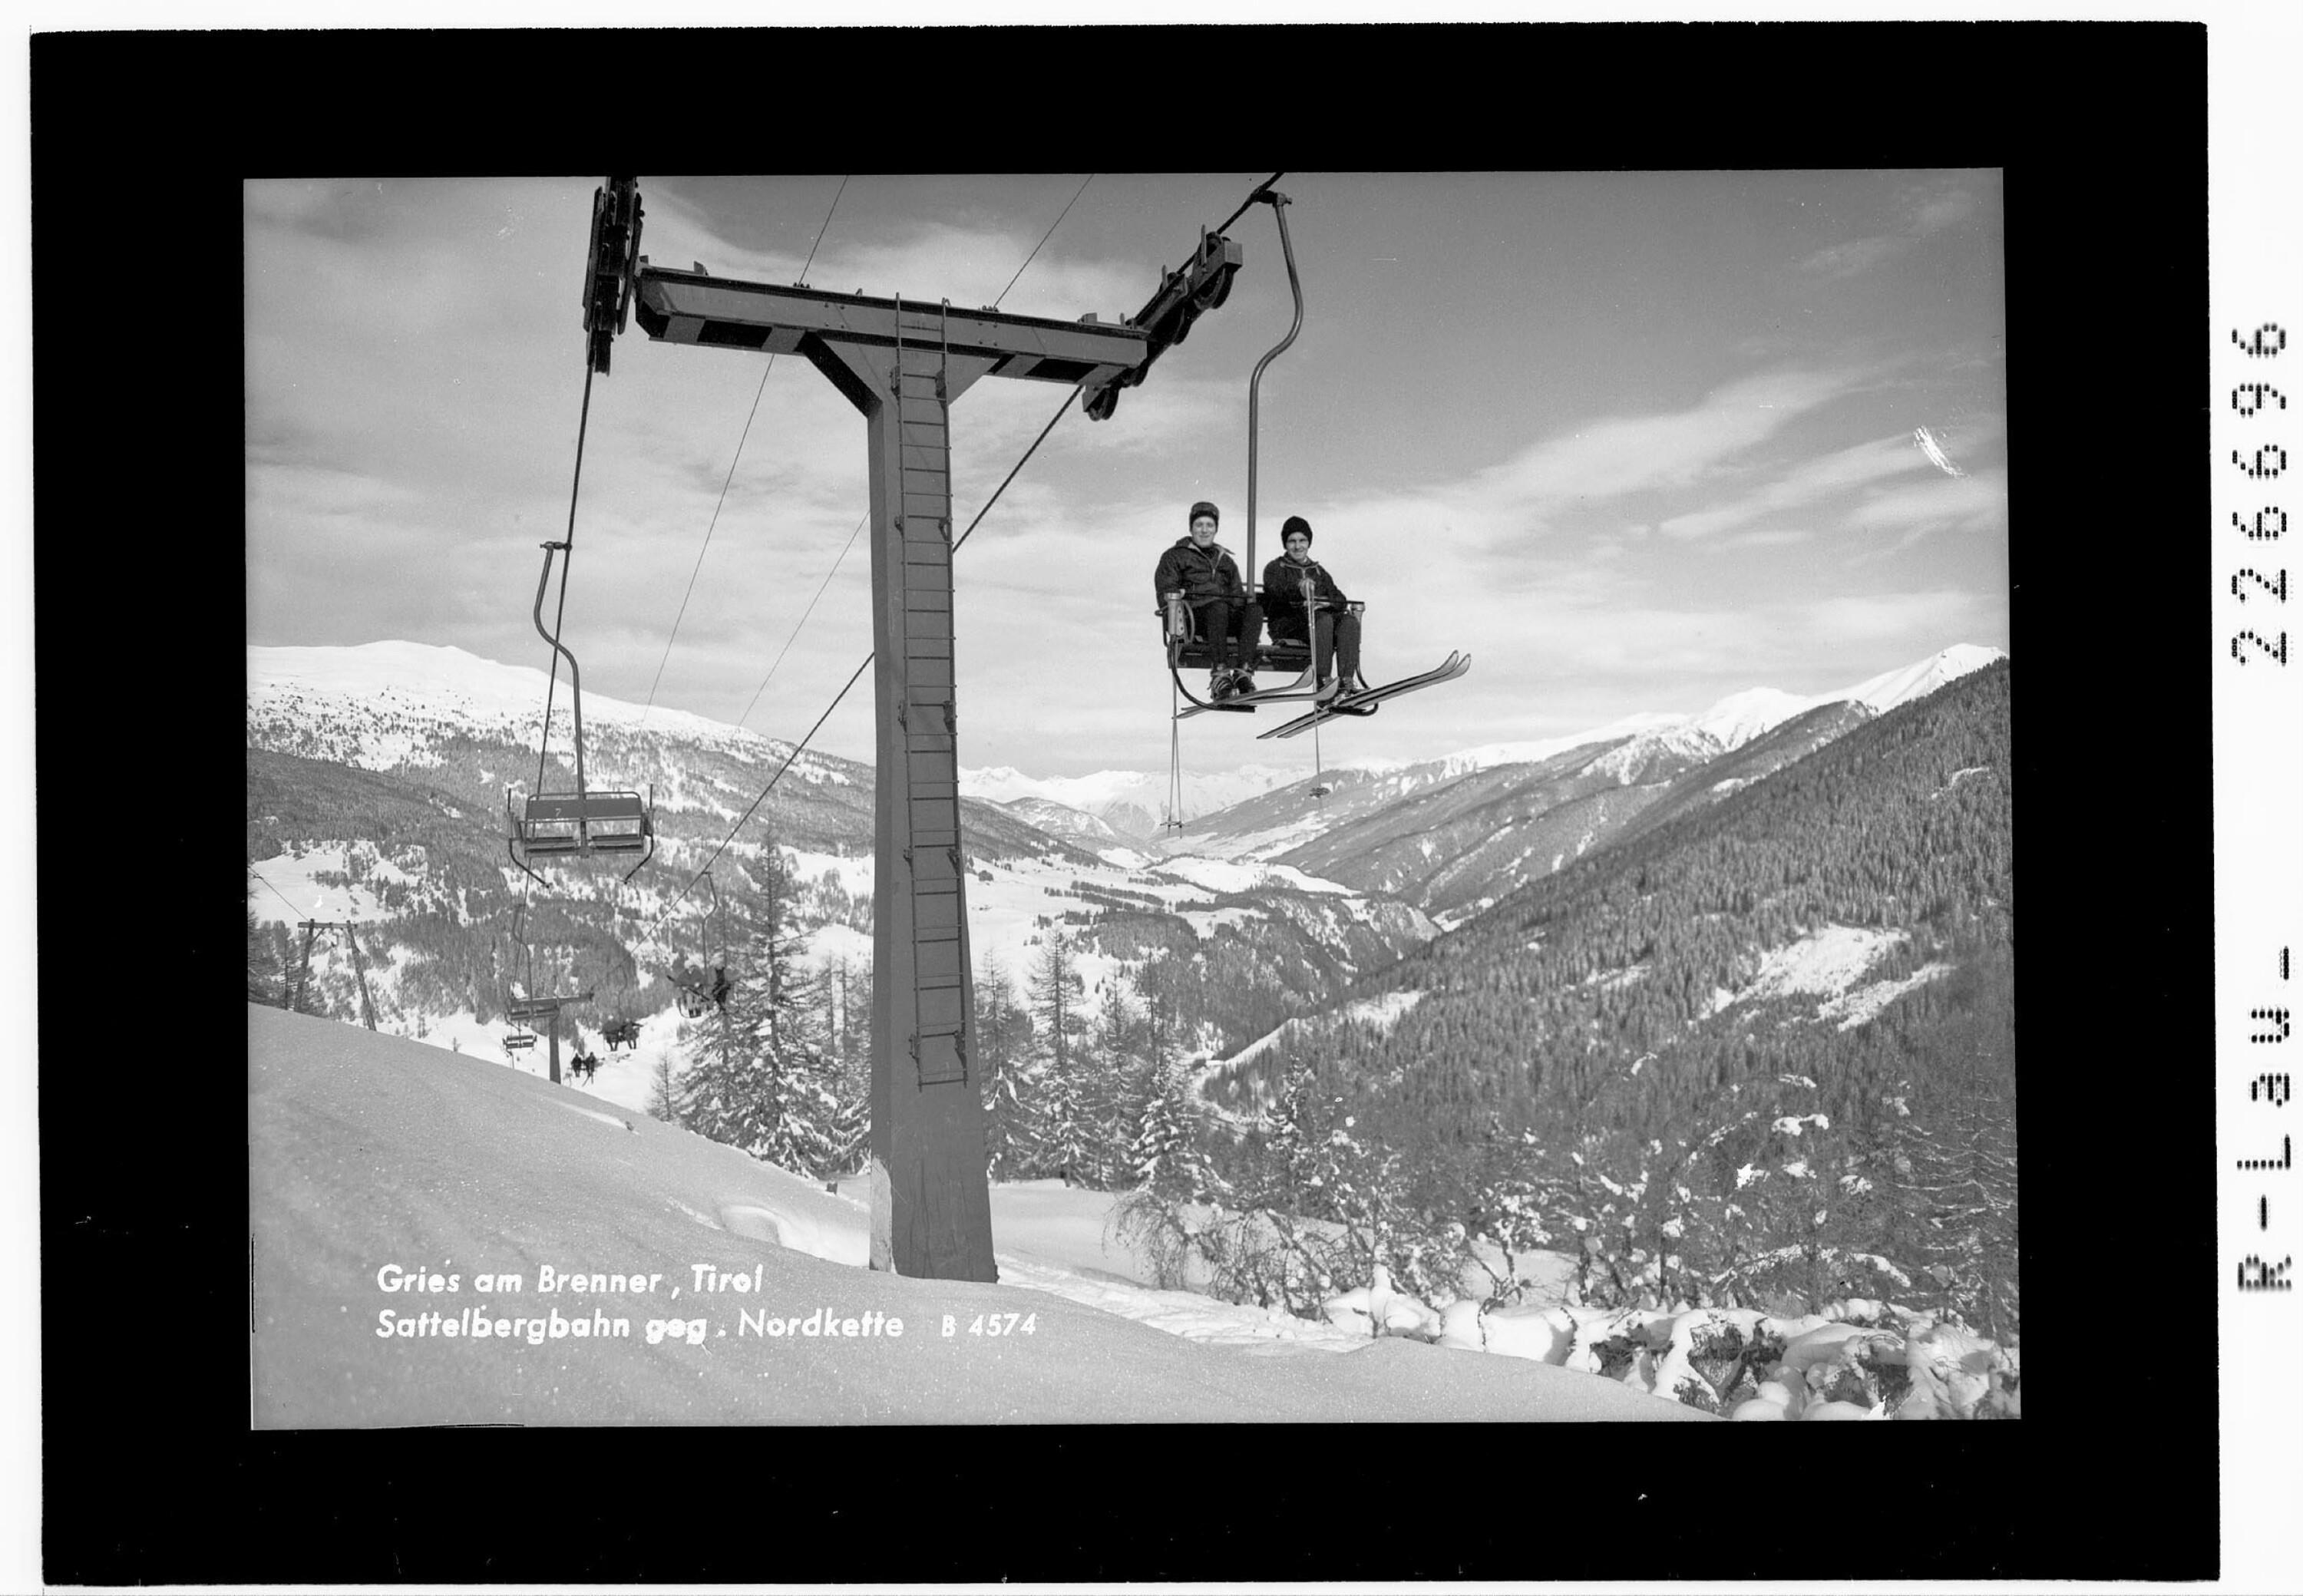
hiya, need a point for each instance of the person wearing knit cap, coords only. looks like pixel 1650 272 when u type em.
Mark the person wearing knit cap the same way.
pixel 1204 572
pixel 1288 583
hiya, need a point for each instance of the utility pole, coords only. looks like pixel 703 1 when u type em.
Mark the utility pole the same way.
pixel 367 1005
pixel 296 1004
pixel 904 364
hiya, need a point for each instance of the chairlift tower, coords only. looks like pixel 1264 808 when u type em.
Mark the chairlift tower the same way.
pixel 904 364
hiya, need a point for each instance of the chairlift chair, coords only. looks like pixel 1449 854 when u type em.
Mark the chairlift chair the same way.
pixel 525 1005
pixel 517 1041
pixel 699 994
pixel 1187 650
pixel 557 825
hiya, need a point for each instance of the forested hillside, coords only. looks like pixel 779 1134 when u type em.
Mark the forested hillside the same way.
pixel 1641 1034
pixel 1455 848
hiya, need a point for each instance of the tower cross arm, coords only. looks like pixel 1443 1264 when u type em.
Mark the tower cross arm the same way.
pixel 691 308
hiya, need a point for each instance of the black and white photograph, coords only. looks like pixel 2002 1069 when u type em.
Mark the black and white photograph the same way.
pixel 967 803
pixel 1624 1024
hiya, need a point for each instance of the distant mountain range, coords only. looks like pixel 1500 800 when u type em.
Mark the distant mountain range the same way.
pixel 384 767
pixel 377 782
pixel 1227 822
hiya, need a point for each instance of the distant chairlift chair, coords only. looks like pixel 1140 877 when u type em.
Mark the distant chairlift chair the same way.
pixel 700 993
pixel 525 1008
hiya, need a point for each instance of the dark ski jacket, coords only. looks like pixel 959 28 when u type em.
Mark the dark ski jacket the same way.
pixel 1283 593
pixel 1202 576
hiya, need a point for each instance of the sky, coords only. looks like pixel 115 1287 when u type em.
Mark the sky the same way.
pixel 1632 441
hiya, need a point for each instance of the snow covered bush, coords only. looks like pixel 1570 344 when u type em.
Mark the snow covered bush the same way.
pixel 1860 1359
pixel 1162 1217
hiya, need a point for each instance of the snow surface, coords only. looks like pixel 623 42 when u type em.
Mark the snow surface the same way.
pixel 1220 875
pixel 428 678
pixel 1829 963
pixel 366 1153
pixel 296 896
pixel 1382 1011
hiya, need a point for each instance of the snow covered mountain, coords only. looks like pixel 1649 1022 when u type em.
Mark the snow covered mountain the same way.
pixel 1058 820
pixel 1131 804
pixel 1368 871
pixel 376 778
pixel 1455 834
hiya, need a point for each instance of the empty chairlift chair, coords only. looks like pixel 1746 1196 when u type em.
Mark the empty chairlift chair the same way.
pixel 552 826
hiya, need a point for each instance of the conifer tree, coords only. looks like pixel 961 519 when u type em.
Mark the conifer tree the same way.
pixel 1159 1216
pixel 663 1092
pixel 760 1076
pixel 1119 1081
pixel 1002 1037
pixel 848 994
pixel 1167 1156
pixel 1160 986
pixel 1062 1133
pixel 265 976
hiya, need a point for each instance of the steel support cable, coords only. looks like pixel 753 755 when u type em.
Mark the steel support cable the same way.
pixel 698 568
pixel 275 892
pixel 801 747
pixel 1044 237
pixel 798 749
pixel 1251 200
pixel 979 515
pixel 1019 465
pixel 821 588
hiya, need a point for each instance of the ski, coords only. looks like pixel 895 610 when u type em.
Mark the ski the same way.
pixel 1365 703
pixel 1223 705
pixel 1297 691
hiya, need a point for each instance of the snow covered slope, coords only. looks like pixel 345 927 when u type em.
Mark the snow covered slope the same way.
pixel 394 1188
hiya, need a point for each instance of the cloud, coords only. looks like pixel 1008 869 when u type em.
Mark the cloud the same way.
pixel 1857 254
pixel 926 264
pixel 1976 504
pixel 413 390
pixel 1615 456
pixel 1923 210
pixel 1903 625
pixel 1932 211
pixel 1802 485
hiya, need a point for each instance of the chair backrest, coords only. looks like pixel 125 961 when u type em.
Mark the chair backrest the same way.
pixel 567 822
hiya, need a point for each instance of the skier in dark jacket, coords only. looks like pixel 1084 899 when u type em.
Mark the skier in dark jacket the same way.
pixel 1204 572
pixel 1288 581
